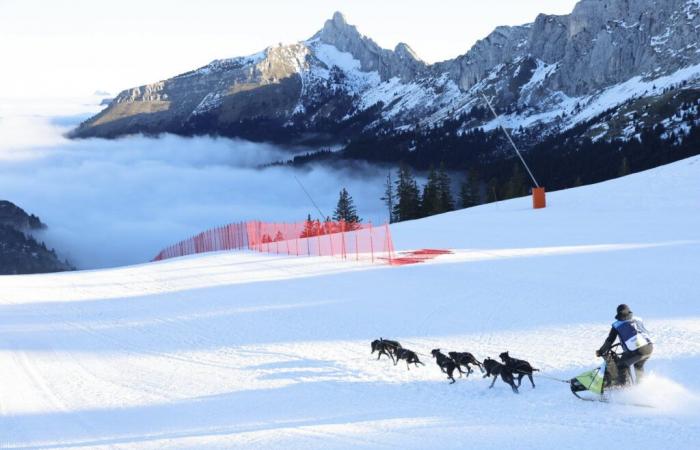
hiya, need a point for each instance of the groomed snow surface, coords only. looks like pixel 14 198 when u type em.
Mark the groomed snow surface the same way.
pixel 242 350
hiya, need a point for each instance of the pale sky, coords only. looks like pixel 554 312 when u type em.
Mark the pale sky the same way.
pixel 63 48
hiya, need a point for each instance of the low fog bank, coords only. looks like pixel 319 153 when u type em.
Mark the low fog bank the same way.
pixel 111 203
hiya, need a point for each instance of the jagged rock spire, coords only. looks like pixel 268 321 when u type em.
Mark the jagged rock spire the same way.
pixel 402 62
pixel 337 29
pixel 339 19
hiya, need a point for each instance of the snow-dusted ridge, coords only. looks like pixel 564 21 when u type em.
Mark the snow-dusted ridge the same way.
pixel 552 74
pixel 584 108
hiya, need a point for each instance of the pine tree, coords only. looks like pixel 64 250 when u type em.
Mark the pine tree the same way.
pixel 624 168
pixel 345 211
pixel 492 190
pixel 388 198
pixel 407 205
pixel 430 201
pixel 310 228
pixel 447 202
pixel 516 185
pixel 469 190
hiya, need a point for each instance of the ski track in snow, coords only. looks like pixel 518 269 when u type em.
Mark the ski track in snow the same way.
pixel 243 350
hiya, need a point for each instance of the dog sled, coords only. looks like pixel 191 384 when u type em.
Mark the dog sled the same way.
pixel 601 383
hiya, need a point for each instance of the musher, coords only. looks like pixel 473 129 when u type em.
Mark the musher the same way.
pixel 635 340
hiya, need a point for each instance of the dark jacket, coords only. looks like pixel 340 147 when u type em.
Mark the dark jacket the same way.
pixel 614 334
pixel 608 342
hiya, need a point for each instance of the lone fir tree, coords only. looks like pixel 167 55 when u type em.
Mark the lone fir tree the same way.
pixel 346 211
pixel 389 197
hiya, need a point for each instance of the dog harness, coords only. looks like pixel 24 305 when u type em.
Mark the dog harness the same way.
pixel 633 334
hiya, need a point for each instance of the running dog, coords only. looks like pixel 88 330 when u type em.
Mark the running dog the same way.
pixel 385 347
pixel 494 369
pixel 464 359
pixel 518 366
pixel 409 356
pixel 446 364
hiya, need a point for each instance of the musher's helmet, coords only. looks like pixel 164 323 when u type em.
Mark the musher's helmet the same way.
pixel 623 312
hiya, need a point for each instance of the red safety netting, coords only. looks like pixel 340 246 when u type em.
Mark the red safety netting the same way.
pixel 233 236
pixel 309 238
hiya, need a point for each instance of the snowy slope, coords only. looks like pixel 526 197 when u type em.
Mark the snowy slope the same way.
pixel 240 350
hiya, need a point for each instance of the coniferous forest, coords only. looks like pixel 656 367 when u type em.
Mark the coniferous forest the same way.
pixel 475 167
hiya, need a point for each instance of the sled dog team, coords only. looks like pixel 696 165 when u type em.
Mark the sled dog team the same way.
pixel 634 339
pixel 455 361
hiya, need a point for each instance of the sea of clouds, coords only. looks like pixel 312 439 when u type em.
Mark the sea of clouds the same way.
pixel 116 202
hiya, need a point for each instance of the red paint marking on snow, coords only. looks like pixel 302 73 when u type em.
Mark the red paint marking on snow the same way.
pixel 431 251
pixel 417 256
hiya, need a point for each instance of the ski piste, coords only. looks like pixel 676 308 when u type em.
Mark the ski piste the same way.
pixel 615 402
pixel 271 352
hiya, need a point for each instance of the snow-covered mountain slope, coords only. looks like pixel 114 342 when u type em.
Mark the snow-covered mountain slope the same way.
pixel 555 73
pixel 241 350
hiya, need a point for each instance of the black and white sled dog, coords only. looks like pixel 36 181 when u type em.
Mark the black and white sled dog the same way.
pixel 465 359
pixel 409 356
pixel 494 369
pixel 519 367
pixel 446 364
pixel 385 347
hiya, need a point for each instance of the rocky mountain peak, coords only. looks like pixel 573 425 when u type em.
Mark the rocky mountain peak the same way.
pixel 404 51
pixel 337 29
pixel 546 72
pixel 339 19
pixel 402 62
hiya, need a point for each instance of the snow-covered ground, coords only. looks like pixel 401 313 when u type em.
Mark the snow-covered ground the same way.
pixel 233 350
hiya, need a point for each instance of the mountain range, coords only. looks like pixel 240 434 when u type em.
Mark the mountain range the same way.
pixel 608 69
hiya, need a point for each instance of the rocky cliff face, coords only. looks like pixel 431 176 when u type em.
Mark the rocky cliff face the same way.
pixel 604 42
pixel 554 73
pixel 504 44
pixel 20 252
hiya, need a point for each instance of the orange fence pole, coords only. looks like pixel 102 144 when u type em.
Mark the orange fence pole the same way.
pixel 371 241
pixel 342 231
pixel 286 238
pixel 318 234
pixel 357 246
pixel 389 242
